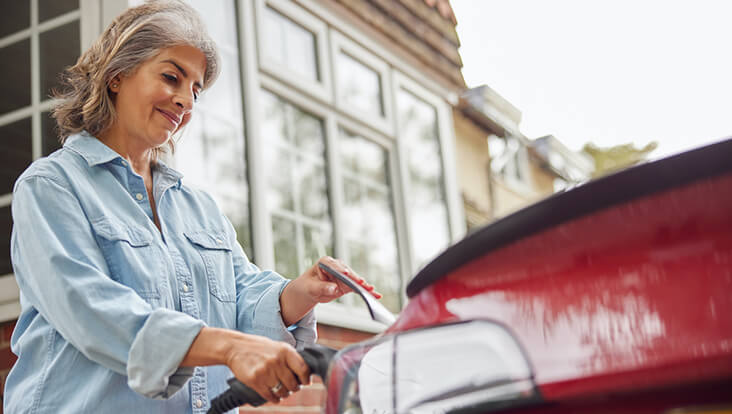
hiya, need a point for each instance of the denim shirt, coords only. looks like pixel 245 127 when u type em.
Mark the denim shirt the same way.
pixel 110 304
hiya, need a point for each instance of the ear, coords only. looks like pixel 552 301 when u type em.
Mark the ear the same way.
pixel 114 84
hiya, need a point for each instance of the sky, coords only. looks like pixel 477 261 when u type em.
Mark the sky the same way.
pixel 606 71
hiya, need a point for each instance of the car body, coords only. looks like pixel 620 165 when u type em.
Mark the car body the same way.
pixel 614 296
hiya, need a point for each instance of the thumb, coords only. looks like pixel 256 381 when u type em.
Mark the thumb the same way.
pixel 329 289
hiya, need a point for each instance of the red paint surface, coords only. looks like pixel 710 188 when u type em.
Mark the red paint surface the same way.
pixel 636 296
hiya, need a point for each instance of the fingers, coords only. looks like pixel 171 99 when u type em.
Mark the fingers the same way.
pixel 272 369
pixel 298 367
pixel 288 380
pixel 341 267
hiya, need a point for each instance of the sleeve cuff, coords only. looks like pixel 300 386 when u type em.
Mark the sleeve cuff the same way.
pixel 268 320
pixel 153 366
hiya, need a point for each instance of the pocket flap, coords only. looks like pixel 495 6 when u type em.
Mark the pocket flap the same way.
pixel 208 239
pixel 116 231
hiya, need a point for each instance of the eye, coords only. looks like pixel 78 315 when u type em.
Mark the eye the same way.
pixel 195 96
pixel 171 78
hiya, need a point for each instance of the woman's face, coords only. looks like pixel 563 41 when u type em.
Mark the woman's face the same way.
pixel 156 100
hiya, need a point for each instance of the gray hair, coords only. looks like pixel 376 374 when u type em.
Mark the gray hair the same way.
pixel 135 36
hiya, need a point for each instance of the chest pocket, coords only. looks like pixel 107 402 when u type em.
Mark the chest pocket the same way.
pixel 130 255
pixel 215 251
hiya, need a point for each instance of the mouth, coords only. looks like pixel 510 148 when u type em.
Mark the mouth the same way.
pixel 173 119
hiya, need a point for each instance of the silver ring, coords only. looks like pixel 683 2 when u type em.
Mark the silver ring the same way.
pixel 276 388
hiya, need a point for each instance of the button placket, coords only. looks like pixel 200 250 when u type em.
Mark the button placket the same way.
pixel 198 389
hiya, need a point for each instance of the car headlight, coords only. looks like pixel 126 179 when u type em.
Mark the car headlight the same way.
pixel 446 368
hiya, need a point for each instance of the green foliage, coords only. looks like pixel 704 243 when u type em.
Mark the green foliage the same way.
pixel 608 160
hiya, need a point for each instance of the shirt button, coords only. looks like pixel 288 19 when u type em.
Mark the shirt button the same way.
pixel 139 196
pixel 199 403
pixel 185 287
pixel 124 163
pixel 219 241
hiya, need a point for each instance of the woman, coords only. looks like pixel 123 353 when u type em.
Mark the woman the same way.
pixel 130 282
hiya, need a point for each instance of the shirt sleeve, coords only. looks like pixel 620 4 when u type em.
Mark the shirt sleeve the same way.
pixel 62 273
pixel 258 302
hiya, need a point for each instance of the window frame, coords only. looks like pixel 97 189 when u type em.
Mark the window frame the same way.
pixel 390 146
pixel 446 135
pixel 272 85
pixel 322 89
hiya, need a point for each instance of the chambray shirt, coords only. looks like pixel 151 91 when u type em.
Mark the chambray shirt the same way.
pixel 110 304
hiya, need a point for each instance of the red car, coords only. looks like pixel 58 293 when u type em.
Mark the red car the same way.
pixel 612 297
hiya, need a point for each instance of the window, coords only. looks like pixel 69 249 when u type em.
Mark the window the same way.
pixel 368 225
pixel 509 159
pixel 359 86
pixel 292 47
pixel 297 198
pixel 38 39
pixel 289 44
pixel 363 85
pixel 426 199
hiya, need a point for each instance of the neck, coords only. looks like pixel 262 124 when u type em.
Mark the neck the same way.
pixel 134 150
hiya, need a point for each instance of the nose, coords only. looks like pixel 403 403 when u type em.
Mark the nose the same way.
pixel 184 102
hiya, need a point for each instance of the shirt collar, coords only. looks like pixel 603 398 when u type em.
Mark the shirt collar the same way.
pixel 94 151
pixel 167 176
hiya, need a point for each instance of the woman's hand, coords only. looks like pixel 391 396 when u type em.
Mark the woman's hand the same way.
pixel 317 286
pixel 257 361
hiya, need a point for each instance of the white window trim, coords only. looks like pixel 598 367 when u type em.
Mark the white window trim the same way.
pixel 456 221
pixel 339 43
pixel 320 90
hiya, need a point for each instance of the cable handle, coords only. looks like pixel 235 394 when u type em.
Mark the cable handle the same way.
pixel 317 357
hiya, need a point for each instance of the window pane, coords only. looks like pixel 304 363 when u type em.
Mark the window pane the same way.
pixel 6 225
pixel 52 8
pixel 281 194
pixel 15 152
pixel 426 198
pixel 15 82
pixel 368 217
pixel 363 157
pixel 285 248
pixel 49 136
pixel 15 17
pixel 313 190
pixel 59 49
pixel 308 132
pixel 317 245
pixel 289 44
pixel 220 18
pixel 359 86
pixel 234 206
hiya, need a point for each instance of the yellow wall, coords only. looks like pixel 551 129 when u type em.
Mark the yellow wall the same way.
pixel 473 166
